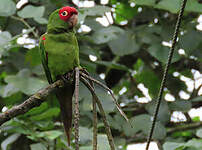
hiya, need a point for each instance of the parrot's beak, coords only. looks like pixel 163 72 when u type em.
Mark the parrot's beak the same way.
pixel 73 20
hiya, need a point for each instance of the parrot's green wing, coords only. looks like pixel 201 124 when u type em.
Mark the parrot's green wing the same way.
pixel 44 59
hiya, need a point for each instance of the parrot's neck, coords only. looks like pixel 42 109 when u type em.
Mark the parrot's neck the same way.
pixel 60 30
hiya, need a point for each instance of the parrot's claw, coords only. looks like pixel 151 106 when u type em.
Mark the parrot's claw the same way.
pixel 84 70
pixel 64 79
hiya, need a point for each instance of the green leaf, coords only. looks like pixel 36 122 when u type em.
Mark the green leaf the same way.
pixel 53 134
pixel 9 140
pixel 85 134
pixel 31 12
pixel 197 143
pixel 193 6
pixel 172 146
pixel 164 112
pixel 183 134
pixel 149 79
pixel 105 99
pixel 41 20
pixel 199 133
pixel 5 37
pixel 25 82
pixel 37 110
pixel 143 123
pixel 38 146
pixel 92 11
pixel 103 143
pixel 124 44
pixel 8 90
pixel 170 5
pixel 112 65
pixel 161 52
pixel 197 99
pixel 185 43
pixel 124 12
pixel 7 8
pixel 52 112
pixel 144 2
pixel 180 105
pixel 33 57
pixel 86 147
pixel 105 35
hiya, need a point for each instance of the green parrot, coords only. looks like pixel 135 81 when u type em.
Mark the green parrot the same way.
pixel 59 52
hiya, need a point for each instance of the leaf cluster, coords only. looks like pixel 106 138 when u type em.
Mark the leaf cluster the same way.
pixel 130 46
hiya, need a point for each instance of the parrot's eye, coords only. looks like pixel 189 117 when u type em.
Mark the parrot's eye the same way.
pixel 64 13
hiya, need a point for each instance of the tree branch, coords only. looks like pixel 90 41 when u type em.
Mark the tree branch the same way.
pixel 184 127
pixel 33 101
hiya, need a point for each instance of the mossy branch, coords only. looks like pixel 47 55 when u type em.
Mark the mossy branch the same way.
pixel 33 101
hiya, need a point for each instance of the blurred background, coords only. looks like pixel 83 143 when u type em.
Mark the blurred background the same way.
pixel 125 45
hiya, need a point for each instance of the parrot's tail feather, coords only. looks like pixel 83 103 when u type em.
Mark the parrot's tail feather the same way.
pixel 64 95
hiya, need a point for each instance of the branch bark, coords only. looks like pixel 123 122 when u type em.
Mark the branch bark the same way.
pixel 33 101
pixel 184 127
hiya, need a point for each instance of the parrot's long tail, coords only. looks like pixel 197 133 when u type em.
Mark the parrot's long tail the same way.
pixel 64 96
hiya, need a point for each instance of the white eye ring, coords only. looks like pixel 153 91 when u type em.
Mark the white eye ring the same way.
pixel 64 13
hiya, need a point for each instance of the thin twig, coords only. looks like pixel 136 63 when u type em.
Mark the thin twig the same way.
pixel 110 91
pixel 184 127
pixel 33 101
pixel 76 109
pixel 94 124
pixel 107 127
pixel 26 24
pixel 94 114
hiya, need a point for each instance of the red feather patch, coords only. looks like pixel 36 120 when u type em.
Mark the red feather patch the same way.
pixel 43 38
pixel 66 12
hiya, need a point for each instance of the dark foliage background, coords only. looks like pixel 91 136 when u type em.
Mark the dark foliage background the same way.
pixel 129 51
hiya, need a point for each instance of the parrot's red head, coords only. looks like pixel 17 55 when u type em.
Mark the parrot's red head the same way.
pixel 69 14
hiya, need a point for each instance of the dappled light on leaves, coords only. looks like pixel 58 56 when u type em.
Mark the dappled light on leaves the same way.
pixel 123 44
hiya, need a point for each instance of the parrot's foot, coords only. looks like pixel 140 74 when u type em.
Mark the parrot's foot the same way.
pixel 84 70
pixel 67 77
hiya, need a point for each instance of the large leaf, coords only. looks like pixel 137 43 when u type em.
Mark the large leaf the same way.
pixel 124 12
pixel 105 35
pixel 7 8
pixel 164 112
pixel 193 6
pixel 38 146
pixel 85 134
pixel 25 82
pixel 180 105
pixel 172 146
pixel 199 133
pixel 124 44
pixel 143 123
pixel 171 5
pixel 12 138
pixel 51 135
pixel 93 11
pixel 52 112
pixel 5 38
pixel 144 2
pixel 31 12
pixel 185 43
pixel 161 52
